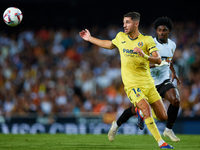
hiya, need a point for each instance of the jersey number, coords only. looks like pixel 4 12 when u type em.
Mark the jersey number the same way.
pixel 138 92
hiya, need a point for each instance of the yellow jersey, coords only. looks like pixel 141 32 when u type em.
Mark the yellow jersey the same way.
pixel 134 68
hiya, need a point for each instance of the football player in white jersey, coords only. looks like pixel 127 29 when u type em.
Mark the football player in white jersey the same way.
pixel 161 76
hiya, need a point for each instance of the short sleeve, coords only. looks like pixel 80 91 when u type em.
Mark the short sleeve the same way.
pixel 151 45
pixel 115 40
pixel 174 47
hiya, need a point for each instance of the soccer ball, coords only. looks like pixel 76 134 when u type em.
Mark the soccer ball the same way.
pixel 12 16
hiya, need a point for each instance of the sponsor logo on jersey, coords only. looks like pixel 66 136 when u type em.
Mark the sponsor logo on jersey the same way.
pixel 129 51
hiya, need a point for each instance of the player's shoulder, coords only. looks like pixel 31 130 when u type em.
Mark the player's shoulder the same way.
pixel 146 36
pixel 148 39
pixel 121 33
pixel 172 43
pixel 155 39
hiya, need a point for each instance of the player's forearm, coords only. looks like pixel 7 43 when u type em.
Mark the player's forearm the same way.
pixel 152 65
pixel 102 43
pixel 172 68
pixel 155 60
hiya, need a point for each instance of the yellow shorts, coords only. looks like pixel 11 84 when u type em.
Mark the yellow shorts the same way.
pixel 149 93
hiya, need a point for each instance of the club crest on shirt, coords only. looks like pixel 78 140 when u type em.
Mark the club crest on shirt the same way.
pixel 137 95
pixel 140 44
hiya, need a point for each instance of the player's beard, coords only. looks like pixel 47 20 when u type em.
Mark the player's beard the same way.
pixel 162 40
pixel 128 31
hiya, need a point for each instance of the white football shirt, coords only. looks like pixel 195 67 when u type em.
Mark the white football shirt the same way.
pixel 166 51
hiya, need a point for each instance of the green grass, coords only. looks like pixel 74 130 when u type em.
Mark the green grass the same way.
pixel 91 142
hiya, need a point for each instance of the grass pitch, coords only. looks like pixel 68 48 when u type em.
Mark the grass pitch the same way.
pixel 91 142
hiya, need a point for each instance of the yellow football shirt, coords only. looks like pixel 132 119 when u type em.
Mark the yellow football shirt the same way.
pixel 134 68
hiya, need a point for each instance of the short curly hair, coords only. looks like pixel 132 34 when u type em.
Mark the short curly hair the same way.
pixel 163 21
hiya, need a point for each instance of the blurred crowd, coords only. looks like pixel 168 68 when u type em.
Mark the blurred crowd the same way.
pixel 55 72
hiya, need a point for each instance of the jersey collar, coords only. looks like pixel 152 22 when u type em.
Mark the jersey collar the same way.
pixel 134 38
pixel 162 43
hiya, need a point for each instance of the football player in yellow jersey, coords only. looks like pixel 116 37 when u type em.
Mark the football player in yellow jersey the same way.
pixel 136 50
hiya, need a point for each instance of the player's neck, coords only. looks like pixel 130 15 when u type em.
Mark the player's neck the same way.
pixel 134 34
pixel 162 41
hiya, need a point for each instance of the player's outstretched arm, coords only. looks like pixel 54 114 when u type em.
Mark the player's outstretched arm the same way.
pixel 154 58
pixel 85 34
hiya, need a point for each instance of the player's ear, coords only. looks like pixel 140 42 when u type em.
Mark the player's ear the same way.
pixel 137 23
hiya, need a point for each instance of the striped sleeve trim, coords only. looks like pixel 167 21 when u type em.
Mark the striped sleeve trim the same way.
pixel 152 48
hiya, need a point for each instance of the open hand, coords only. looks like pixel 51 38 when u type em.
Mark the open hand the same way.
pixel 85 34
pixel 174 76
pixel 164 62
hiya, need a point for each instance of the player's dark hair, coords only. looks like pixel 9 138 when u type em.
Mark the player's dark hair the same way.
pixel 163 21
pixel 133 15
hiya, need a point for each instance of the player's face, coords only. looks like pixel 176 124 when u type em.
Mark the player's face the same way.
pixel 162 32
pixel 129 25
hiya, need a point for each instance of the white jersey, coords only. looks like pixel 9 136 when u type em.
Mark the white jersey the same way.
pixel 166 51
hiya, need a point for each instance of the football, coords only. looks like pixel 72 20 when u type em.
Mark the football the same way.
pixel 12 16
